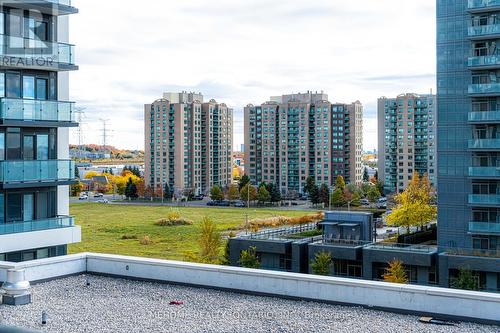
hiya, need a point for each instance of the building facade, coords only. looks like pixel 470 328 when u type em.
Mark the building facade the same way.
pixel 293 137
pixel 406 140
pixel 468 76
pixel 35 168
pixel 188 143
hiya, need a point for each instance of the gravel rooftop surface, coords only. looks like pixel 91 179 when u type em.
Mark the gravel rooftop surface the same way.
pixel 117 305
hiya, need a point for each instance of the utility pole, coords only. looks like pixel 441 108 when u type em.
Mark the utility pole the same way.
pixel 80 114
pixel 105 133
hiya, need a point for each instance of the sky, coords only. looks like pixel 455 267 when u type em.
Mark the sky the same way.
pixel 244 51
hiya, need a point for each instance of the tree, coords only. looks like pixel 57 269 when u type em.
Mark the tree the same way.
pixel 366 177
pixel 249 259
pixel 414 207
pixel 396 273
pixel 337 198
pixel 76 189
pixel 376 175
pixel 167 194
pixel 274 191
pixel 77 172
pixel 226 257
pixel 216 193
pixel 373 194
pixel 263 195
pixel 248 193
pixel 233 193
pixel 340 183
pixel 243 181
pixel 324 195
pixel 131 189
pixel 209 241
pixel 314 195
pixel 465 280
pixel 322 263
pixel 310 184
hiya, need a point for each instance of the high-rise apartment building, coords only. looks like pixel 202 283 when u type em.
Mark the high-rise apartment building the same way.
pixel 35 116
pixel 468 82
pixel 292 137
pixel 406 140
pixel 188 143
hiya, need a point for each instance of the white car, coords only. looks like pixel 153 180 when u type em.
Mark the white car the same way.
pixel 83 197
pixel 103 201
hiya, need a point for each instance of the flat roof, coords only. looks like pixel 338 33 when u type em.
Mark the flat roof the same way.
pixel 119 305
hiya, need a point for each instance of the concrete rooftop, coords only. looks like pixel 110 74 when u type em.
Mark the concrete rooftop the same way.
pixel 118 305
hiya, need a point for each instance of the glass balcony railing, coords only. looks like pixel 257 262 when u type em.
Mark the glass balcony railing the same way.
pixel 484 144
pixel 483 4
pixel 36 110
pixel 60 2
pixel 484 61
pixel 486 88
pixel 36 171
pixel 485 116
pixel 37 225
pixel 484 199
pixel 484 30
pixel 484 227
pixel 403 247
pixel 43 53
pixel 484 171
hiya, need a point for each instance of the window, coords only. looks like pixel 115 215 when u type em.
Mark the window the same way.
pixel 14 145
pixel 13 85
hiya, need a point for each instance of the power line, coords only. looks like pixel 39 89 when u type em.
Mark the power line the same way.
pixel 80 114
pixel 105 133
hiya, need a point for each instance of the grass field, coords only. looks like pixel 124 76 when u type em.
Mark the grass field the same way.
pixel 104 227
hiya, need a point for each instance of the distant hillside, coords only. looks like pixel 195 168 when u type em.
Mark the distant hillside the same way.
pixel 110 152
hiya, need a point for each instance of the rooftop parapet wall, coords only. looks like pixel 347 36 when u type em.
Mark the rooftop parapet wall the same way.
pixel 474 306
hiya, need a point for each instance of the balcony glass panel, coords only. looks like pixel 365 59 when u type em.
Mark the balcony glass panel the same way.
pixel 478 4
pixel 484 30
pixel 484 227
pixel 484 199
pixel 484 116
pixel 37 225
pixel 61 2
pixel 484 171
pixel 484 61
pixel 484 144
pixel 44 53
pixel 36 110
pixel 487 88
pixel 36 171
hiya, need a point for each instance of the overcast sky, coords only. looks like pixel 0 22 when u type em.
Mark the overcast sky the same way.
pixel 243 51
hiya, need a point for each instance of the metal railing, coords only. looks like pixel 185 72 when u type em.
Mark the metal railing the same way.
pixel 470 252
pixel 345 242
pixel 283 232
pixel 404 247
pixel 479 4
pixel 493 115
pixel 484 227
pixel 37 225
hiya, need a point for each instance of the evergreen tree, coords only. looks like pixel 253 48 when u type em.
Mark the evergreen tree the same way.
pixel 167 194
pixel 249 259
pixel 322 263
pixel 77 173
pixel 243 181
pixel 465 280
pixel 373 194
pixel 310 184
pixel 376 175
pixel 248 193
pixel 324 195
pixel 314 195
pixel 338 198
pixel 366 177
pixel 131 189
pixel 263 195
pixel 274 192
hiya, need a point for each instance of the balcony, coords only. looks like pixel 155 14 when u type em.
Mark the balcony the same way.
pixel 484 31
pixel 486 89
pixel 37 225
pixel 486 172
pixel 14 111
pixel 18 174
pixel 484 228
pixel 484 199
pixel 20 52
pixel 484 117
pixel 484 144
pixel 483 5
pixel 50 7
pixel 484 62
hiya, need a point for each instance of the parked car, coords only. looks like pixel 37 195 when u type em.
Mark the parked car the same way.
pixel 239 204
pixel 381 205
pixel 211 203
pixel 198 197
pixel 364 202
pixel 98 195
pixel 383 199
pixel 83 197
pixel 103 201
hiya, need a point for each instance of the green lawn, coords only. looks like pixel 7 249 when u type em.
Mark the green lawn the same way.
pixel 103 227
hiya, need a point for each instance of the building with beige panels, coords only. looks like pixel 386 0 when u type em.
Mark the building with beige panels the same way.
pixel 295 136
pixel 188 143
pixel 406 139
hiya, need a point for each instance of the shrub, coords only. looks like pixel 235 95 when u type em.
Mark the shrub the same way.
pixel 249 259
pixel 174 215
pixel 465 280
pixel 169 223
pixel 396 273
pixel 209 241
pixel 145 240
pixel 321 265
pixel 125 237
pixel 278 221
